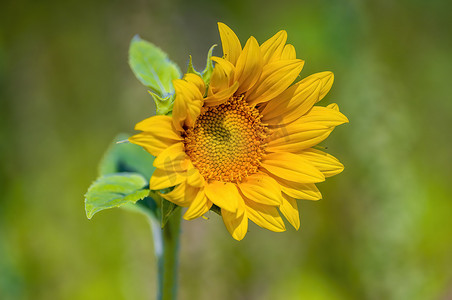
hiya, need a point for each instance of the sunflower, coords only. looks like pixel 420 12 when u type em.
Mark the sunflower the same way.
pixel 244 142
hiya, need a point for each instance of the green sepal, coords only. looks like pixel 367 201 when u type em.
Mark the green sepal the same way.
pixel 206 74
pixel 216 209
pixel 167 209
pixel 152 67
pixel 114 190
pixel 190 68
pixel 163 105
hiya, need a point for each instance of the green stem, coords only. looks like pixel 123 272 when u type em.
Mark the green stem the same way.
pixel 166 246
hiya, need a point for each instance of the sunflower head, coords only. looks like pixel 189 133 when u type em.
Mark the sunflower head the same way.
pixel 244 142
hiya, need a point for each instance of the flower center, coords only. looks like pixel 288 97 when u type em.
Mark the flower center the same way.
pixel 227 141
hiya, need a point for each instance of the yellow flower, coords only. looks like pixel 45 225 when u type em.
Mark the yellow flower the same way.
pixel 244 143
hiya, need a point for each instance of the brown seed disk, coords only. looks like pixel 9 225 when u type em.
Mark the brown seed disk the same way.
pixel 227 141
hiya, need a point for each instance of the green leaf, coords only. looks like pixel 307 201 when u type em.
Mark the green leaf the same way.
pixel 152 67
pixel 127 157
pixel 114 190
pixel 168 208
pixel 146 206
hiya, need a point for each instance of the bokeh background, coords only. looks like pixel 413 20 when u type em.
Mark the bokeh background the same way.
pixel 383 229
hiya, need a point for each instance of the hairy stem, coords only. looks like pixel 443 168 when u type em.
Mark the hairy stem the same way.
pixel 166 246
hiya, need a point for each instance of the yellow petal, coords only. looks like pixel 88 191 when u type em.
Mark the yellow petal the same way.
pixel 222 76
pixel 288 52
pixel 249 66
pixel 224 195
pixel 179 112
pixel 289 209
pixel 159 126
pixel 193 111
pixel 230 42
pixel 236 224
pixel 197 81
pixel 222 96
pixel 219 80
pixel 333 106
pixel 178 195
pixel 172 159
pixel 228 70
pixel 199 206
pixel 276 78
pixel 273 47
pixel 296 100
pixel 187 105
pixel 265 216
pixel 162 179
pixel 326 163
pixel 153 144
pixel 194 178
pixel 327 82
pixel 291 167
pixel 303 191
pixel 188 88
pixel 297 190
pixel 261 188
pixel 323 116
pixel 296 137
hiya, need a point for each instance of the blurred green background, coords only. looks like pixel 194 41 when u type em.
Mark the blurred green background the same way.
pixel 383 229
